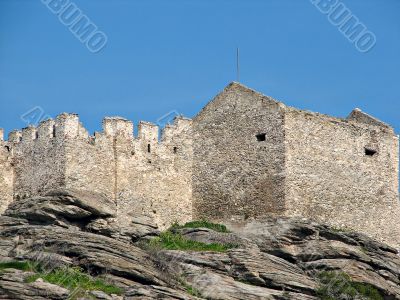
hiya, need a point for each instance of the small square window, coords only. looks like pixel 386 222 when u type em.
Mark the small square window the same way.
pixel 261 137
pixel 370 152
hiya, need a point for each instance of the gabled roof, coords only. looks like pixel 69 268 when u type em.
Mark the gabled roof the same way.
pixel 238 88
pixel 356 115
pixel 359 116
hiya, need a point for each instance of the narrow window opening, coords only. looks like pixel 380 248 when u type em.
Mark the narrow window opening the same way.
pixel 261 137
pixel 36 135
pixel 20 138
pixel 54 131
pixel 148 148
pixel 92 140
pixel 175 150
pixel 7 148
pixel 132 153
pixel 370 152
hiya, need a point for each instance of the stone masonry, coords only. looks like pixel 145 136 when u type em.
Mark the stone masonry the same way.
pixel 244 156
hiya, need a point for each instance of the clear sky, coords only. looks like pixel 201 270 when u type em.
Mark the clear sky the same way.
pixel 176 55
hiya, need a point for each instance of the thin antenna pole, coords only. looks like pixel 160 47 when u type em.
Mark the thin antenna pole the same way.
pixel 237 65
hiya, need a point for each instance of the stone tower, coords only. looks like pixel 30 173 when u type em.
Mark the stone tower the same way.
pixel 255 156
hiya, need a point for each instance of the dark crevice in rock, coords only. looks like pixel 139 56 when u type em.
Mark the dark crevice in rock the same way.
pixel 282 254
pixel 133 277
pixel 329 235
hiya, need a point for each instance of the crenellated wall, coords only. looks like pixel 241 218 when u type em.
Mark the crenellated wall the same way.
pixel 154 178
pixel 144 176
pixel 39 157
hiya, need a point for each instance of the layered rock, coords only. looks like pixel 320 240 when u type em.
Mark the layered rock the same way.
pixel 273 258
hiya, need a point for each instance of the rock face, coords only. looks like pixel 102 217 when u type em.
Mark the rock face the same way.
pixel 62 205
pixel 274 258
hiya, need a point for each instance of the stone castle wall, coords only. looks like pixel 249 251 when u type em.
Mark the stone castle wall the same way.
pixel 144 176
pixel 237 174
pixel 160 175
pixel 342 172
pixel 245 155
pixel 38 157
pixel 6 174
pixel 331 179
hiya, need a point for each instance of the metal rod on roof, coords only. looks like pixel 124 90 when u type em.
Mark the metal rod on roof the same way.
pixel 237 65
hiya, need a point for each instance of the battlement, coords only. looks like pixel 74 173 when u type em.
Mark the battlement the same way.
pixel 68 126
pixel 181 124
pixel 46 129
pixel 148 132
pixel 113 126
pixel 15 136
pixel 64 126
pixel 29 134
pixel 60 153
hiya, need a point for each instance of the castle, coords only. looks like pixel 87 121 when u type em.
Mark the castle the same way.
pixel 245 155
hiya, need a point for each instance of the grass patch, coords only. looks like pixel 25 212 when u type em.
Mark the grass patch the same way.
pixel 202 224
pixel 339 285
pixel 75 279
pixel 20 265
pixel 189 289
pixel 175 241
pixel 341 229
pixel 286 295
pixel 192 291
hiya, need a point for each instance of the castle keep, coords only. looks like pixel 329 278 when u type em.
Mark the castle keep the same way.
pixel 245 155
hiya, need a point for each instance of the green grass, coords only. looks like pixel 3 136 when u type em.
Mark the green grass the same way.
pixel 341 229
pixel 189 289
pixel 338 285
pixel 192 291
pixel 19 265
pixel 75 279
pixel 175 241
pixel 202 224
pixel 71 278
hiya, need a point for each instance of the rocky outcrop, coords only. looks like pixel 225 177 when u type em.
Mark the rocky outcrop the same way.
pixel 273 258
pixel 63 206
pixel 12 286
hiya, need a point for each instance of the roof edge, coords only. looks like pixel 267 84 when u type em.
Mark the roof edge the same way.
pixel 357 115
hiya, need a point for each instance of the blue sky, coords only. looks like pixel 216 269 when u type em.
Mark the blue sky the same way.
pixel 175 55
